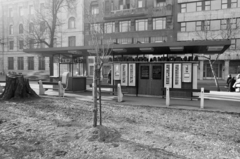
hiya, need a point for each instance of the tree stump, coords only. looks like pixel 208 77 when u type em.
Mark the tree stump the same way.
pixel 17 87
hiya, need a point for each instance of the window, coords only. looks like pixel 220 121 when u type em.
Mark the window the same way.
pixel 207 25
pixel 95 28
pixel 207 5
pixel 191 7
pixel 141 40
pixel 94 8
pixel 159 23
pixel 21 11
pixel 54 42
pixel 183 8
pixel 20 63
pixel 31 9
pixel 215 25
pixel 11 30
pixel 10 63
pixel 109 27
pixel 140 3
pixel 42 7
pixel 120 4
pixel 71 41
pixel 234 3
pixel 71 23
pixel 31 27
pixel 30 63
pixel 127 5
pixel 215 5
pixel 10 12
pixel 42 26
pixel 31 43
pixel 198 26
pixel 199 6
pixel 141 25
pixel 124 26
pixel 20 44
pixel 233 44
pixel 224 4
pixel 11 45
pixel 191 26
pixel 158 39
pixel 183 26
pixel 41 63
pixel 160 3
pixel 233 23
pixel 125 40
pixel 223 24
pixel 20 28
pixel 42 45
pixel 237 43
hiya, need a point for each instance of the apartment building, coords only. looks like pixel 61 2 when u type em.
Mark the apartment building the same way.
pixel 17 19
pixel 131 22
pixel 212 20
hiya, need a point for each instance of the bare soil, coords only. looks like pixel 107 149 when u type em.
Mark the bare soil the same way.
pixel 61 128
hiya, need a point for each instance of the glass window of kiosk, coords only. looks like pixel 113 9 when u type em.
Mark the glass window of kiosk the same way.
pixel 72 65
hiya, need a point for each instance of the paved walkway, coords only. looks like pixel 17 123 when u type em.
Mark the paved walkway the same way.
pixel 215 101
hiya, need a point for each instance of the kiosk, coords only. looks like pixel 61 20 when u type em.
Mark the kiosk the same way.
pixel 76 65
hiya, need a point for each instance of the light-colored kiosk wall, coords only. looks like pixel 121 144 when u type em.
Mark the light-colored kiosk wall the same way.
pixel 195 75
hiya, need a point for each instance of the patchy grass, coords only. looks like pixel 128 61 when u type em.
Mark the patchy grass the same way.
pixel 62 128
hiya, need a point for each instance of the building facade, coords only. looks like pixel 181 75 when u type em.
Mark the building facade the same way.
pixel 17 16
pixel 212 20
pixel 130 22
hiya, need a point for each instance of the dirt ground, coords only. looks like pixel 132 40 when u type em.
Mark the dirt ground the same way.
pixel 61 128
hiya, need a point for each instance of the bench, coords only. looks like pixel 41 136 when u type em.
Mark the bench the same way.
pixel 108 86
pixel 185 90
pixel 62 85
pixel 201 91
pixel 118 87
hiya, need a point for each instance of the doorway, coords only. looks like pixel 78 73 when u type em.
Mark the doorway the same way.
pixel 150 79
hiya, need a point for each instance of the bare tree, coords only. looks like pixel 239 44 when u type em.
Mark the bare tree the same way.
pixel 102 48
pixel 42 27
pixel 228 29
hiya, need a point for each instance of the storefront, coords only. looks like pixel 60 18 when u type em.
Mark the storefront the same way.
pixel 144 69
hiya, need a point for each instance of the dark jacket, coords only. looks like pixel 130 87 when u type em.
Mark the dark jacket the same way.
pixel 231 89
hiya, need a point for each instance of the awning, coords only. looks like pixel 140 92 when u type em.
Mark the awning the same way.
pixel 189 47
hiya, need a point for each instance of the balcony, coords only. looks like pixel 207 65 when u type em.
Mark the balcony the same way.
pixel 133 12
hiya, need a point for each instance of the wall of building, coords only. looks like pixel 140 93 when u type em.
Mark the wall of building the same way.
pixel 194 14
pixel 62 33
pixel 149 11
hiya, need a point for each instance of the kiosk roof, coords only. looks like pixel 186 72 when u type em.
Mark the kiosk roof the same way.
pixel 193 47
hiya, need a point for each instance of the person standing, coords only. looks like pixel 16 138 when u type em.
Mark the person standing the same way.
pixel 109 77
pixel 232 82
pixel 228 82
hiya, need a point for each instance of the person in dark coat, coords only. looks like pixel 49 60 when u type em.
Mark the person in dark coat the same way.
pixel 229 80
pixel 109 77
pixel 231 89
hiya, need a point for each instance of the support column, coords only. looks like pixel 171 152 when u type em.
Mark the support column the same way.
pixel 226 69
pixel 201 70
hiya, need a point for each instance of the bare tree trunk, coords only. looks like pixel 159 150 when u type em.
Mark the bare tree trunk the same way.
pixel 214 75
pixel 95 96
pixel 100 98
pixel 17 87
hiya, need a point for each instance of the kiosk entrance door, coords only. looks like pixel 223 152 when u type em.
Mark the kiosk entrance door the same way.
pixel 150 79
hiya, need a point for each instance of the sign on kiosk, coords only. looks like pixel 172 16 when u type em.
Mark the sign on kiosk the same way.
pixel 168 75
pixel 177 80
pixel 124 74
pixel 187 72
pixel 117 71
pixel 132 74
